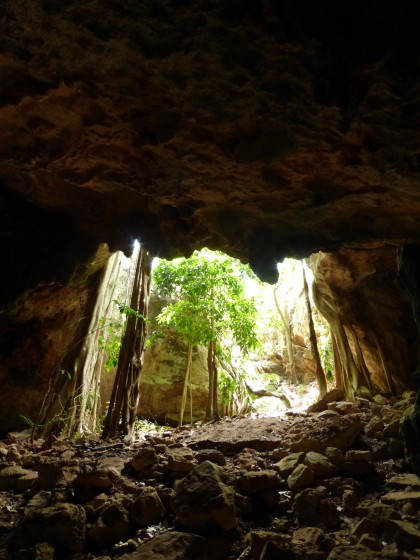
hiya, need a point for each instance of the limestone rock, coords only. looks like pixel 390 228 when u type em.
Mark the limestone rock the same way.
pixel 62 525
pixel 10 477
pixel 329 397
pixel 174 545
pixel 357 455
pixel 350 502
pixel 257 540
pixel 340 432
pixel 320 465
pixel 202 501
pixel 97 480
pixel 342 407
pixel 312 507
pixel 181 460
pixel 301 477
pixel 336 456
pixel 405 534
pixel 111 526
pixel 404 480
pixel 400 497
pixel 289 463
pixel 146 457
pixel 307 536
pixel 357 552
pixel 212 455
pixel 258 481
pixel 147 508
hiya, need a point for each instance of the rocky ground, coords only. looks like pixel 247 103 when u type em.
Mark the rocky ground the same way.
pixel 328 484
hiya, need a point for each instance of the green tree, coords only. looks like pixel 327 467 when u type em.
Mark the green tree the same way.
pixel 208 306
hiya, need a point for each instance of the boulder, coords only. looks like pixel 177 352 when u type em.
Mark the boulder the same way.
pixel 202 502
pixel 258 481
pixel 288 464
pixel 320 465
pixel 111 526
pixel 61 525
pixel 147 508
pixel 301 477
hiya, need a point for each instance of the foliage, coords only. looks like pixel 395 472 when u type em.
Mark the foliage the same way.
pixel 208 299
pixel 327 360
pixel 110 340
pixel 112 333
pixel 207 303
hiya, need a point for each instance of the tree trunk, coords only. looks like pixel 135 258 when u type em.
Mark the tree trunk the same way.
pixel 210 405
pixel 285 317
pixel 185 385
pixel 319 372
pixel 125 394
pixel 212 400
pixel 216 415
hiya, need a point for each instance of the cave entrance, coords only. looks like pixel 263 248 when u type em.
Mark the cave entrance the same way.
pixel 220 342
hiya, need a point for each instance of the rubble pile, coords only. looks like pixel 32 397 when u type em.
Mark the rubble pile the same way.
pixel 326 485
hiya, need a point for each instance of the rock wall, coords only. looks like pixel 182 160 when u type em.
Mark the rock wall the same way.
pixel 162 381
pixel 36 336
pixel 359 288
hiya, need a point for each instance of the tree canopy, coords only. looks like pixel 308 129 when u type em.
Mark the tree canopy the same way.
pixel 208 305
pixel 209 300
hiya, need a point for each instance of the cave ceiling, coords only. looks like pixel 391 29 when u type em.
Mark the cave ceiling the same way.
pixel 262 128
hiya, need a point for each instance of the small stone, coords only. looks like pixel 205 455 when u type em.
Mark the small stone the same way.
pixel 334 455
pixel 111 526
pixel 307 536
pixel 301 477
pixel 404 480
pixel 374 426
pixel 342 407
pixel 288 464
pixel 399 497
pixel 392 429
pixel 350 502
pixel 357 552
pixel 201 500
pixel 409 509
pixel 147 508
pixel 212 455
pixel 258 538
pixel 320 465
pixel 359 456
pixel 312 508
pixel 181 460
pixel 370 541
pixel 174 545
pixel 26 481
pixel 330 396
pixel 357 468
pixel 97 480
pixel 395 448
pixel 144 458
pixel 62 525
pixel 257 481
pixel 9 477
pixel 380 399
pixel 405 534
pixel 362 527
